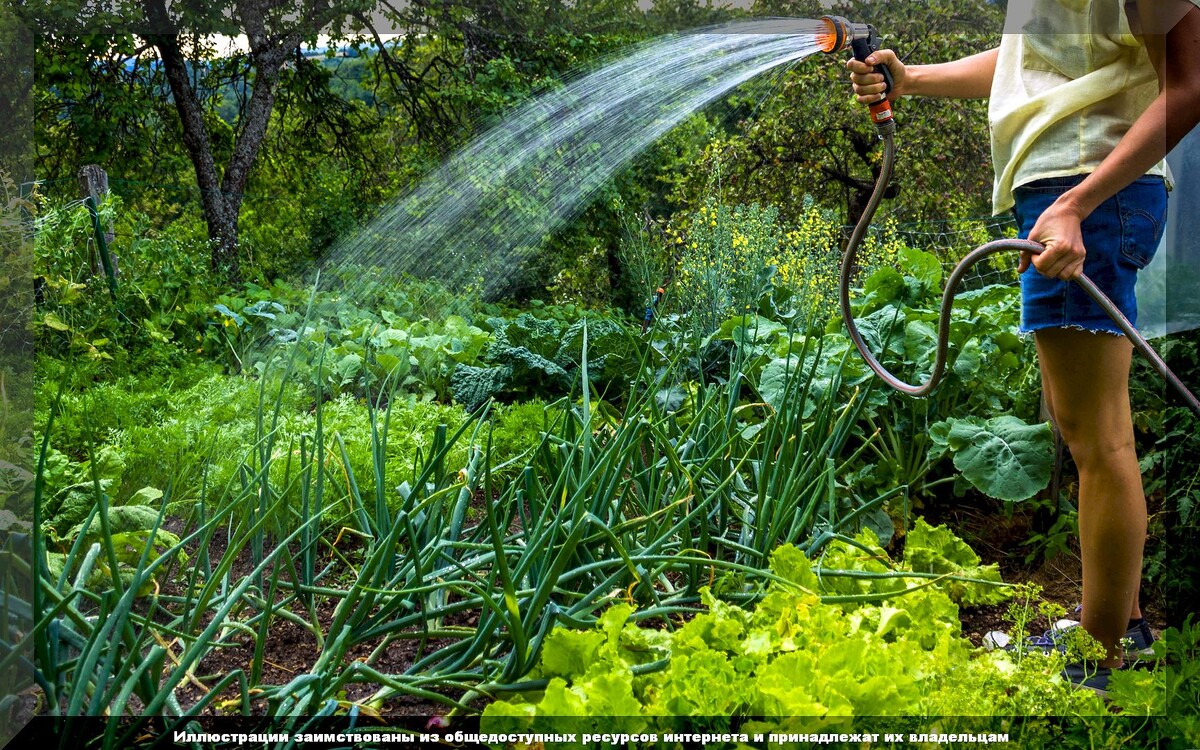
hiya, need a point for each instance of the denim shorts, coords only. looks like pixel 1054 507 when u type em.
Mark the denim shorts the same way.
pixel 1120 238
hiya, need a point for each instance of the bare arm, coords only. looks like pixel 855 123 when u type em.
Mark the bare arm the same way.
pixel 968 78
pixel 1173 114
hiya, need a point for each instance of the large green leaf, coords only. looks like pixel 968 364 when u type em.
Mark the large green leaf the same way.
pixel 790 564
pixel 536 335
pixel 1004 457
pixel 121 519
pixel 472 386
pixel 935 549
pixel 745 330
pixel 569 652
pixel 776 375
pixel 922 266
pixel 612 351
pixel 883 286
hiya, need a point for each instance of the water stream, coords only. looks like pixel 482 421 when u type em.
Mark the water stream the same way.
pixel 472 222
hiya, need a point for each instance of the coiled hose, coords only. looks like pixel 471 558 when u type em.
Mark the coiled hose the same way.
pixel 887 134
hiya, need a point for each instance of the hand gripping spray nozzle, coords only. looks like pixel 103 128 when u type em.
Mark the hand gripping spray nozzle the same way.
pixel 863 40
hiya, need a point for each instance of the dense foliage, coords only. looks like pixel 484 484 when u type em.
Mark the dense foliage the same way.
pixel 698 463
pixel 796 656
pixel 652 465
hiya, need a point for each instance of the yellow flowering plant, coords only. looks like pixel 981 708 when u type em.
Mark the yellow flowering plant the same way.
pixel 730 258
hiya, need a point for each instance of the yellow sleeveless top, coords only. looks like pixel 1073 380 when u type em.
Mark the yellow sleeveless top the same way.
pixel 1070 80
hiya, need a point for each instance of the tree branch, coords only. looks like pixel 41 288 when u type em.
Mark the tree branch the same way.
pixel 191 114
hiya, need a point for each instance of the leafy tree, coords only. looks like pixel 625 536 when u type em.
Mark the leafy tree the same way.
pixel 176 45
pixel 273 37
pixel 129 86
pixel 103 99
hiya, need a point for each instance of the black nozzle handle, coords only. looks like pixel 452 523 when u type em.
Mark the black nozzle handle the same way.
pixel 862 48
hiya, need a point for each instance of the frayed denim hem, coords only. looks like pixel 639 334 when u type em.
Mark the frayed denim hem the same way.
pixel 1026 331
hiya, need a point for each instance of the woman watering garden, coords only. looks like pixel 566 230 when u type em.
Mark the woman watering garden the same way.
pixel 1086 98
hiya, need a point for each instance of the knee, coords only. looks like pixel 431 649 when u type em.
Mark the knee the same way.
pixel 1089 444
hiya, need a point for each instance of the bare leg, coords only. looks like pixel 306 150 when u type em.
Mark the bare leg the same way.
pixel 1088 378
pixel 1135 608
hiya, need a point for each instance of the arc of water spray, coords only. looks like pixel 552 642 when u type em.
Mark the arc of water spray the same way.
pixel 481 213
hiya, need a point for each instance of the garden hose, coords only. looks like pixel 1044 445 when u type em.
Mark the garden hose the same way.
pixel 863 42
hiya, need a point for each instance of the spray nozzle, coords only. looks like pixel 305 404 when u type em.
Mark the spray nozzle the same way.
pixel 841 32
pixel 863 40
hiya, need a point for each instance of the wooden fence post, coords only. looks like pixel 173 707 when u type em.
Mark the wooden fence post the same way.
pixel 93 183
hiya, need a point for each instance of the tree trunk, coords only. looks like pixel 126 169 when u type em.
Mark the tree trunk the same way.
pixel 223 231
pixel 221 196
pixel 222 226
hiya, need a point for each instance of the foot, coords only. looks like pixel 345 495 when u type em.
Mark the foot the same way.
pixel 1089 676
pixel 1138 640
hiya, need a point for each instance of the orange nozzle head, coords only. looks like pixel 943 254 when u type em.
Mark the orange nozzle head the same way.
pixel 836 34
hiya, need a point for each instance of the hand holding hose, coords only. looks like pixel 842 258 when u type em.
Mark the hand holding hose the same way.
pixel 868 84
pixel 1059 230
